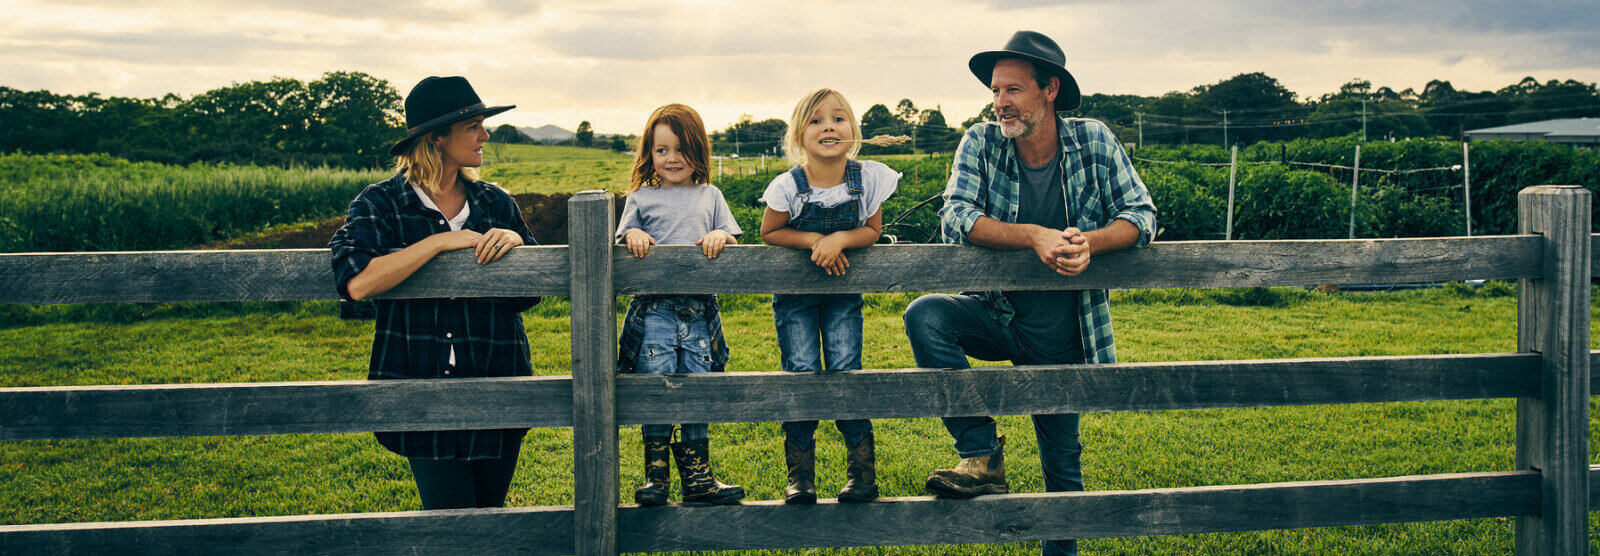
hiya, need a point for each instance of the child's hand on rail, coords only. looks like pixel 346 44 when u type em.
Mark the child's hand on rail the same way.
pixel 712 243
pixel 828 253
pixel 638 242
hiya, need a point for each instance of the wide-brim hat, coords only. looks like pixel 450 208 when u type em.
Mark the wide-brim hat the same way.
pixel 440 101
pixel 1045 55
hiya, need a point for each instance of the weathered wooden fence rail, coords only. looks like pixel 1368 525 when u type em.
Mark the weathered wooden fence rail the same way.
pixel 1550 493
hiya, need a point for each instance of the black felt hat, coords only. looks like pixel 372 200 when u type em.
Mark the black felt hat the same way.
pixel 440 101
pixel 1045 55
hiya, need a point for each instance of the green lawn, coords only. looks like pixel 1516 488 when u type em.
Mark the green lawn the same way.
pixel 133 479
pixel 551 169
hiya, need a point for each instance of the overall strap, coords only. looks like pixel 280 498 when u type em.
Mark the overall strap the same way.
pixel 852 178
pixel 801 186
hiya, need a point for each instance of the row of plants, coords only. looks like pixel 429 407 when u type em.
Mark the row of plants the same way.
pixel 102 203
pixel 1280 195
pixel 53 203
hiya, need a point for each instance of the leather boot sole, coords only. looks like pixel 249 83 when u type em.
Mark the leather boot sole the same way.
pixel 801 498
pixel 945 490
pixel 862 495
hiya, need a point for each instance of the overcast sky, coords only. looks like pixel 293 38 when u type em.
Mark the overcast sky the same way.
pixel 612 62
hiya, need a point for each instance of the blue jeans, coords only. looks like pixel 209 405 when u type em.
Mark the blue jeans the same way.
pixel 677 339
pixel 811 328
pixel 944 330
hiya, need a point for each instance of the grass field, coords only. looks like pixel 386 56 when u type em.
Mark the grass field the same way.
pixel 132 479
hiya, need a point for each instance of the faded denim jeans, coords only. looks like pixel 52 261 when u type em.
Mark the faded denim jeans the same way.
pixel 812 328
pixel 677 339
pixel 944 330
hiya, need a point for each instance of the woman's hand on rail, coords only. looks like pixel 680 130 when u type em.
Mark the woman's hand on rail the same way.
pixel 495 243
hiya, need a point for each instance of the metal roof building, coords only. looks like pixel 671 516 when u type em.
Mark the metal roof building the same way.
pixel 1579 131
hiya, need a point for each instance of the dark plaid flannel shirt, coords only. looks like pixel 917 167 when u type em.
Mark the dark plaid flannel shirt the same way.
pixel 413 336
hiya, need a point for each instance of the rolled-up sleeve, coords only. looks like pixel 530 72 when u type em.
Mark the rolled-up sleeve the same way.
pixel 1129 197
pixel 963 199
pixel 357 242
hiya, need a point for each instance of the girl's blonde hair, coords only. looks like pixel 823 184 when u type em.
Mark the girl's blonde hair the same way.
pixel 792 146
pixel 423 162
pixel 692 138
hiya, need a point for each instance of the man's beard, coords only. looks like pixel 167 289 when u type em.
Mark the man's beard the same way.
pixel 1022 128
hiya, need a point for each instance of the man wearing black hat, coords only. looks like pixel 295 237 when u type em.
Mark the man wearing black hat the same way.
pixel 1063 188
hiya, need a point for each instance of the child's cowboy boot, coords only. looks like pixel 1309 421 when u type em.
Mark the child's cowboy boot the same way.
pixel 862 473
pixel 802 474
pixel 657 472
pixel 700 485
pixel 973 476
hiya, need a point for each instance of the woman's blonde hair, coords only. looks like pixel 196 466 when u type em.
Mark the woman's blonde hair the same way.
pixel 692 138
pixel 423 162
pixel 792 146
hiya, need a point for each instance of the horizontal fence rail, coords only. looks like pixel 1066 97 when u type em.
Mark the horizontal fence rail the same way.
pixel 399 405
pixel 305 274
pixel 772 524
pixel 276 275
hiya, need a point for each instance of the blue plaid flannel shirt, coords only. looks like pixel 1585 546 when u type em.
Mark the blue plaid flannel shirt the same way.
pixel 985 180
pixel 413 337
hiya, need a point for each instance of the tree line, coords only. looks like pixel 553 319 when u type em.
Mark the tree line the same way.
pixel 1240 110
pixel 1252 107
pixel 343 119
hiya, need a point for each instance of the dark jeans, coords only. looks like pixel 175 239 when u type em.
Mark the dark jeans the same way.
pixel 448 483
pixel 944 330
pixel 811 329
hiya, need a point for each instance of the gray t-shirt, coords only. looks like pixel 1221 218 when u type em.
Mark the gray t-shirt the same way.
pixel 677 215
pixel 1046 322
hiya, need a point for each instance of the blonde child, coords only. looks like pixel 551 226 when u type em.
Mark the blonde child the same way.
pixel 670 202
pixel 827 203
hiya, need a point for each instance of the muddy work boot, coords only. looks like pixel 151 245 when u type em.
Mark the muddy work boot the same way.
pixel 700 485
pixel 862 474
pixel 657 473
pixel 973 476
pixel 802 466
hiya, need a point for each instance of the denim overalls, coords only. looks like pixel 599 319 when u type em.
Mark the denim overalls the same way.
pixel 831 321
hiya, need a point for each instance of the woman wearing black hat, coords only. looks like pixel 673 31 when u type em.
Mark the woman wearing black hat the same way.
pixel 436 203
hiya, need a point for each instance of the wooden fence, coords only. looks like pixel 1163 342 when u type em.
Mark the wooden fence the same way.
pixel 1549 492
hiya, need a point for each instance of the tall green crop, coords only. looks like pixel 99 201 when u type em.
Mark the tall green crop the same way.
pixel 59 203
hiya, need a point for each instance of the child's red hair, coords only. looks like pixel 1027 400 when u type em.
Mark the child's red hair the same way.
pixel 691 132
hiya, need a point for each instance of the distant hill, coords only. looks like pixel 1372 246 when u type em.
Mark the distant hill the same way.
pixel 547 134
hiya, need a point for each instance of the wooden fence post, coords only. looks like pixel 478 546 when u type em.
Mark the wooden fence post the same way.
pixel 1553 320
pixel 590 222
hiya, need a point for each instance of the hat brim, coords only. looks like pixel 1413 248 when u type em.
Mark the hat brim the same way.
pixel 434 125
pixel 1068 98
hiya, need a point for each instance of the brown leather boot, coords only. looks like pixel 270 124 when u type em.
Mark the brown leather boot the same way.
pixel 862 473
pixel 700 485
pixel 802 466
pixel 973 476
pixel 657 472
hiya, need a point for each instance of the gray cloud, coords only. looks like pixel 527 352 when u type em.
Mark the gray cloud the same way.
pixel 389 11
